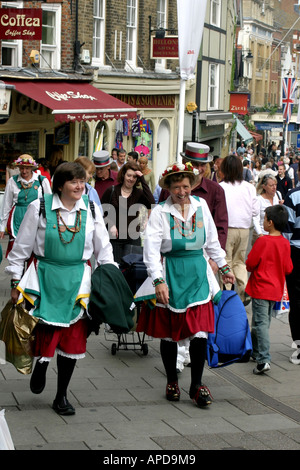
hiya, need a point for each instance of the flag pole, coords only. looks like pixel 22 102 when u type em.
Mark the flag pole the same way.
pixel 181 120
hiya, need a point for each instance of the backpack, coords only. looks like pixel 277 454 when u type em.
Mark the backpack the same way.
pixel 231 341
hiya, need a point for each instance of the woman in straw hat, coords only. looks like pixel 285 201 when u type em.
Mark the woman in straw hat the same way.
pixel 177 232
pixel 20 191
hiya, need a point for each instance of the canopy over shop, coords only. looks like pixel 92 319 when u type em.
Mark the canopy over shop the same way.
pixel 68 113
pixel 74 101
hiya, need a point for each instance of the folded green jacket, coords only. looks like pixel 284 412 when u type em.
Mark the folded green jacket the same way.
pixel 111 300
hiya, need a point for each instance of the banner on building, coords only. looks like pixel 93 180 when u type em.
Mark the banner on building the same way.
pixel 288 97
pixel 191 15
pixel 20 23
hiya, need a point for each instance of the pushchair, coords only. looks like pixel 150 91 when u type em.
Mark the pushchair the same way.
pixel 135 273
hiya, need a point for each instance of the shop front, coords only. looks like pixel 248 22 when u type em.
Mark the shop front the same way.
pixel 49 114
pixel 154 130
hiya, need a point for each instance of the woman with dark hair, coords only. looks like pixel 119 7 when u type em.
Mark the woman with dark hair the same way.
pixel 181 283
pixel 122 204
pixel 242 205
pixel 56 286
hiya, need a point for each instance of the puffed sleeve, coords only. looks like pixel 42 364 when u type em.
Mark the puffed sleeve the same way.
pixel 103 251
pixel 24 243
pixel 152 243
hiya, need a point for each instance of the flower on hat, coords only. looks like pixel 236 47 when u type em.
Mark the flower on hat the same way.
pixel 25 160
pixel 178 167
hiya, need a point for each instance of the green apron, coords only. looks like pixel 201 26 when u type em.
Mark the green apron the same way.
pixel 25 197
pixel 186 267
pixel 60 272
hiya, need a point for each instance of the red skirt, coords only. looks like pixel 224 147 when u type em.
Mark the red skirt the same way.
pixel 160 322
pixel 70 340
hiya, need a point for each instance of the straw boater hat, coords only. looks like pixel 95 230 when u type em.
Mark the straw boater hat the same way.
pixel 195 152
pixel 26 160
pixel 186 168
pixel 102 159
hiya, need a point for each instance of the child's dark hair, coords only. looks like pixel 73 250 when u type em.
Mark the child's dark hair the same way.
pixel 278 215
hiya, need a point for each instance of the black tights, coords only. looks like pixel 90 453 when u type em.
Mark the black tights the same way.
pixel 65 368
pixel 168 350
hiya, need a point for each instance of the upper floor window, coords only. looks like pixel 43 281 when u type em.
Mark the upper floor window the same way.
pixel 213 86
pixel 99 32
pixel 11 49
pixel 215 12
pixel 51 34
pixel 160 64
pixel 131 32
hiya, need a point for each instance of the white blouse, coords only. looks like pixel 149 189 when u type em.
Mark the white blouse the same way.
pixel 158 239
pixel 31 236
pixel 258 221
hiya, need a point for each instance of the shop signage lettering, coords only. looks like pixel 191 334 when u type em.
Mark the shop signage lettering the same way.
pixel 69 95
pixel 239 103
pixel 164 48
pixel 155 101
pixel 21 23
pixel 27 105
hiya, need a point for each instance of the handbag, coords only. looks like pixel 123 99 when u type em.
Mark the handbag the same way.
pixel 16 328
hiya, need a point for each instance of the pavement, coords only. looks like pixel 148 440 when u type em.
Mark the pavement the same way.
pixel 120 402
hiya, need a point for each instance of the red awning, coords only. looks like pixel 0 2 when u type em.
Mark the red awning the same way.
pixel 74 101
pixel 256 136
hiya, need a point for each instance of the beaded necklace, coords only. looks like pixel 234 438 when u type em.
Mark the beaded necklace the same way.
pixel 74 230
pixel 26 188
pixel 180 226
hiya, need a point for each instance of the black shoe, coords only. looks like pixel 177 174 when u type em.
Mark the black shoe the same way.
pixel 38 377
pixel 172 391
pixel 63 407
pixel 201 395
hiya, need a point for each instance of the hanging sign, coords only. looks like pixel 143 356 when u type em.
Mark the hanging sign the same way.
pixel 20 23
pixel 239 103
pixel 164 48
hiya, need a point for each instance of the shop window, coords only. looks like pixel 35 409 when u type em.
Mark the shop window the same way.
pixel 100 141
pixel 11 50
pixel 83 140
pixel 99 32
pixel 14 145
pixel 51 32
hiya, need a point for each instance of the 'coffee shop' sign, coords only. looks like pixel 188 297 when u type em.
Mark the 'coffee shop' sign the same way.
pixel 20 23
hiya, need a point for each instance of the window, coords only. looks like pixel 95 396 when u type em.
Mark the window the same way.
pixel 131 32
pixel 99 31
pixel 213 87
pixel 215 12
pixel 11 50
pixel 160 64
pixel 51 31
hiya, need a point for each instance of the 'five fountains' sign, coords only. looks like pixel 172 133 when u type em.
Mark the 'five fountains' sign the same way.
pixel 20 23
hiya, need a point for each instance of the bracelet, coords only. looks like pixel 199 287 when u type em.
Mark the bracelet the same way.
pixel 158 281
pixel 14 283
pixel 225 269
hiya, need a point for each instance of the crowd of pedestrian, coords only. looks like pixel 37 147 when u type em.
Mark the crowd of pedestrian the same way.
pixel 196 239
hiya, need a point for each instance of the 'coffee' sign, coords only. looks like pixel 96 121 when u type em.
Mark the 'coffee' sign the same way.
pixel 20 23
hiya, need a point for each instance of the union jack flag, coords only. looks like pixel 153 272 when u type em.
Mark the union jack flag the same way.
pixel 288 91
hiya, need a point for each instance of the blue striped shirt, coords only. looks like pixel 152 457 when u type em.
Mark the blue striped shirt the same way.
pixel 292 204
